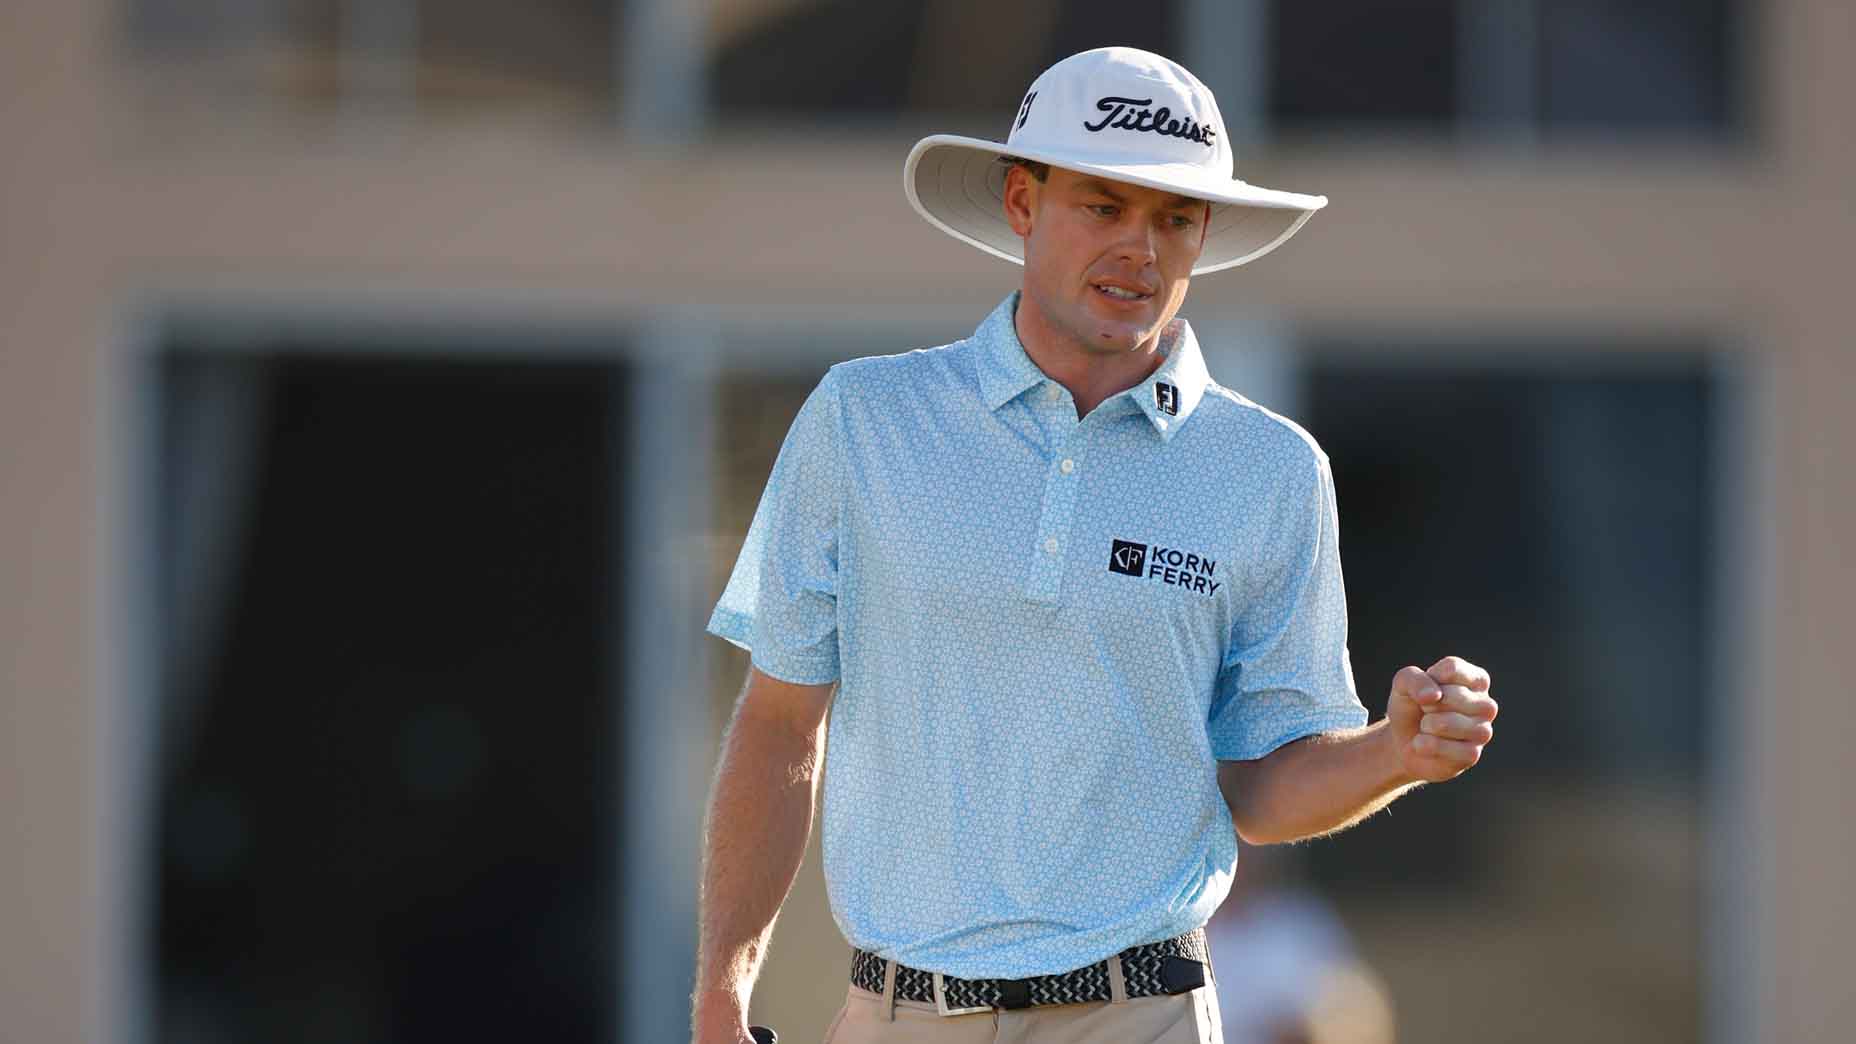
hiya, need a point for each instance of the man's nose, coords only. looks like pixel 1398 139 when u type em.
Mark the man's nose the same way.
pixel 1137 245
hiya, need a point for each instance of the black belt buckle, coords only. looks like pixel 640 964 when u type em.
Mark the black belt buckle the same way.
pixel 1180 974
pixel 1014 994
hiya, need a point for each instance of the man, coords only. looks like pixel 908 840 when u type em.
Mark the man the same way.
pixel 1082 608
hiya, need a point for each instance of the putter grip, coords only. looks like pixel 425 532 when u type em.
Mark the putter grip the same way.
pixel 762 1035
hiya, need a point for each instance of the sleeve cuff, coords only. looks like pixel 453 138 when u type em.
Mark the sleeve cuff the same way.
pixel 732 627
pixel 794 667
pixel 799 670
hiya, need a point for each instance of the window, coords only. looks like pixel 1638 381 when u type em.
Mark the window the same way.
pixel 1563 67
pixel 1650 65
pixel 873 61
pixel 1363 62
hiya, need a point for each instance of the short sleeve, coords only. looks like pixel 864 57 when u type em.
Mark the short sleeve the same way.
pixel 781 602
pixel 1286 673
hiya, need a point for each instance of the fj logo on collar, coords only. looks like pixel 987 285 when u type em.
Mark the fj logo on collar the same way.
pixel 1166 397
pixel 1166 565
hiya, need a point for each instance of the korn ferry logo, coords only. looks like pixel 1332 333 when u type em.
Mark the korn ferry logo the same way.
pixel 1127 557
pixel 1166 565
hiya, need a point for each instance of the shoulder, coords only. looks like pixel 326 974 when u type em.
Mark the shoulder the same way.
pixel 910 373
pixel 1242 425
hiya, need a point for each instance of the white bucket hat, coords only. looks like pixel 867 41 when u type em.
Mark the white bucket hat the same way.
pixel 1120 113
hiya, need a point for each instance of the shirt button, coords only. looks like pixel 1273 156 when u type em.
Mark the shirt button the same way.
pixel 1050 545
pixel 1068 466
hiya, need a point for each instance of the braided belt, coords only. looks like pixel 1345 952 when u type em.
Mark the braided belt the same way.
pixel 1170 966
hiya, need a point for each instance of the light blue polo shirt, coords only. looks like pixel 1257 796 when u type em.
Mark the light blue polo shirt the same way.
pixel 1045 632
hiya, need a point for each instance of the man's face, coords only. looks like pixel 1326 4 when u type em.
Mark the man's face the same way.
pixel 1106 262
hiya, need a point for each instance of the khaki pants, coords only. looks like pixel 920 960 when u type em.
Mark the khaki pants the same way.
pixel 1186 1018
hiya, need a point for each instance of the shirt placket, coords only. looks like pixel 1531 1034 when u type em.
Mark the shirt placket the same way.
pixel 1057 510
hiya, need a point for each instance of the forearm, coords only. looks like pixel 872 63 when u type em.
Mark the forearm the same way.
pixel 1314 786
pixel 759 818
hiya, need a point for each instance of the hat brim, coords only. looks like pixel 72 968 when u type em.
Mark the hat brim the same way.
pixel 958 185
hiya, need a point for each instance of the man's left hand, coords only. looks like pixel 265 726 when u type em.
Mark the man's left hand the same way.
pixel 1441 718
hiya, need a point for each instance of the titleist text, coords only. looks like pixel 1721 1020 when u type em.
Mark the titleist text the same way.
pixel 1133 114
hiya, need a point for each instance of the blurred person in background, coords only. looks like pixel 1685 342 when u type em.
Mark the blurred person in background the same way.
pixel 1292 975
pixel 1081 607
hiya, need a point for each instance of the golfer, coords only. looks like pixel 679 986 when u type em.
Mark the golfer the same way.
pixel 1080 605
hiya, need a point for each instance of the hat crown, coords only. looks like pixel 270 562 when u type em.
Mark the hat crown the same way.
pixel 1125 105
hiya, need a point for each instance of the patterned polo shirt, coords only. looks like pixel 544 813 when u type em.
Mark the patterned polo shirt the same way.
pixel 1045 632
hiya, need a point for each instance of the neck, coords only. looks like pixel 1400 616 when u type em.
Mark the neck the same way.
pixel 1091 375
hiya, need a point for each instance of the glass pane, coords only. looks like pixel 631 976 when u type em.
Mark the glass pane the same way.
pixel 1652 64
pixel 1351 62
pixel 777 58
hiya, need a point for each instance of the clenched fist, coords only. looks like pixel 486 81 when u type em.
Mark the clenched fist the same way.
pixel 1441 718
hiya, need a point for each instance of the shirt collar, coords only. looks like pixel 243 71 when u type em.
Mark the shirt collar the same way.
pixel 1006 372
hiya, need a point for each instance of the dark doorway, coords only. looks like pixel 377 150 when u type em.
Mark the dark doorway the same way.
pixel 387 803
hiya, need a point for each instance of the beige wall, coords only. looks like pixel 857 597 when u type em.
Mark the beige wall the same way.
pixel 103 205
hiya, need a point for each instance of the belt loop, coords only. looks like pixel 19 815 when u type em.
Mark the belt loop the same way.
pixel 889 991
pixel 1117 981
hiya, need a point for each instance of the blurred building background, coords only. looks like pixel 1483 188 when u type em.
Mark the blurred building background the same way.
pixel 385 388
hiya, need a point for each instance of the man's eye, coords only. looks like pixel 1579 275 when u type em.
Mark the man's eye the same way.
pixel 1182 221
pixel 1103 209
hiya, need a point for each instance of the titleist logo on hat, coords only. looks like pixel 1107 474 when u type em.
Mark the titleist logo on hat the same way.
pixel 1133 114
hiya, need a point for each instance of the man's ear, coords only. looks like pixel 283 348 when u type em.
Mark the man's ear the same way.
pixel 1021 199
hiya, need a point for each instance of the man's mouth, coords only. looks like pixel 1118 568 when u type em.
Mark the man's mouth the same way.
pixel 1116 292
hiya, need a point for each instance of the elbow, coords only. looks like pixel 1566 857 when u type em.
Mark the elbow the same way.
pixel 1252 826
pixel 1255 832
pixel 1241 785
